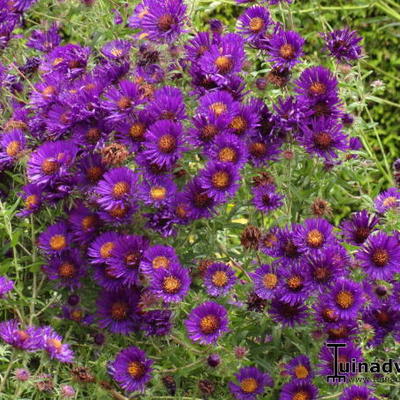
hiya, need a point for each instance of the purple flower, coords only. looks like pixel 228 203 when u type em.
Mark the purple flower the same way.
pixel 12 145
pixel 67 391
pixel 90 170
pixel 6 285
pixel 252 383
pixel 298 389
pixel 218 103
pixel 105 277
pixel 28 339
pixel 287 248
pixel 156 257
pixel 313 235
pixel 52 343
pixel 253 23
pixel 100 250
pixel 44 40
pixel 22 374
pixel 168 103
pixel 346 298
pixel 157 322
pixel 116 49
pixel 67 269
pixel 299 368
pixel 380 256
pixel 324 137
pixel 201 43
pixel 266 199
pixel 126 257
pixel 262 150
pixel 117 188
pixel 288 314
pixel 163 20
pixel 207 322
pixel 343 44
pixel 269 243
pixel 285 49
pixel 84 223
pixel 228 148
pixel 55 239
pixel 163 144
pixel 118 312
pixel 171 285
pixel 51 161
pixel 219 180
pixel 158 192
pixel 389 199
pixel 219 279
pixel 266 281
pixel 358 227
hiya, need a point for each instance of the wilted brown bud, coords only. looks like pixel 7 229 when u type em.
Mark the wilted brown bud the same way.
pixel 255 303
pixel 344 68
pixel 321 207
pixel 82 374
pixel 265 178
pixel 206 387
pixel 114 154
pixel 241 352
pixel 203 265
pixel 278 78
pixel 288 154
pixel 250 237
pixel 15 124
pixel 170 384
pixel 44 383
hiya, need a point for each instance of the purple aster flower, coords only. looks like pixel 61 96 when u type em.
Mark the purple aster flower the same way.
pixel 77 314
pixel 395 297
pixel 12 146
pixel 287 248
pixel 55 239
pixel 316 83
pixel 90 134
pixel 206 128
pixel 266 281
pixel 163 20
pixel 323 137
pixel 219 279
pixel 300 368
pixel 121 101
pixel 288 115
pixel 197 46
pixel 162 221
pixel 219 180
pixel 6 285
pixel 167 104
pixel 100 250
pixel 158 192
pixel 357 393
pixel 266 199
pixel 163 144
pixel 323 268
pixel 90 170
pixel 105 277
pixel 288 314
pixel 246 119
pixel 346 298
pixel 324 312
pixel 228 148
pixel 298 390
pixel 383 320
pixel 251 383
pixel 285 49
pixel 342 331
pixel 117 187
pixel 380 256
pixel 269 243
pixel 84 223
pixel 118 311
pixel 222 60
pixel 171 285
pixel 294 286
pixel 218 103
pixel 157 322
pixel 253 23
pixel 158 256
pixel 207 322
pixel 389 199
pixel 343 44
pixel 67 269
pixel 117 49
pixel 51 161
pixel 358 227
pixel 197 202
pixel 44 40
pixel 313 235
pixel 28 339
pixel 52 343
pixel 131 369
pixel 262 150
pixel 345 355
pixel 126 257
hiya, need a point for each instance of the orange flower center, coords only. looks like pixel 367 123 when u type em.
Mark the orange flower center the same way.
pixel 256 24
pixel 48 91
pixel 158 193
pixel 94 173
pixel 137 130
pixel 106 249
pixel 118 212
pixel 136 369
pixel 209 324
pixel 58 242
pixel 208 132
pixel 220 179
pixel 323 140
pixel 390 201
pixel 31 201
pixel 295 282
pixel 165 22
pixel 67 270
pixel 116 52
pixel 220 278
pixel 124 102
pixel 315 238
pixel 120 189
pixel 270 280
pixel 239 124
pixel 318 88
pixel 301 372
pixel 224 64
pixel 218 108
pixel 13 148
pixel 93 135
pixel 167 143
pixel 119 311
pixel 171 284
pixel 249 385
pixel 88 222
pixel 301 395
pixel 380 257
pixel 160 262
pixel 55 343
pixel 50 167
pixel 345 299
pixel 258 149
pixel 287 51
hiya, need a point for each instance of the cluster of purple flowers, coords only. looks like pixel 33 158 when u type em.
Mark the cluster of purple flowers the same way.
pixel 110 144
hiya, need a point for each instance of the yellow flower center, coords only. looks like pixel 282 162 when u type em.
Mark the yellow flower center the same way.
pixel 256 24
pixel 286 51
pixel 301 395
pixel 67 270
pixel 58 242
pixel 106 249
pixel 218 108
pixel 220 179
pixel 158 193
pixel 220 278
pixel 239 124
pixel 227 154
pixel 13 148
pixel 116 52
pixel 31 201
pixel 120 189
pixel 301 372
pixel 345 299
pixel 167 143
pixel 50 167
pixel 318 88
pixel 160 262
pixel 270 281
pixel 137 130
pixel 249 385
pixel 224 64
pixel 209 324
pixel 315 238
pixel 171 284
pixel 136 369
